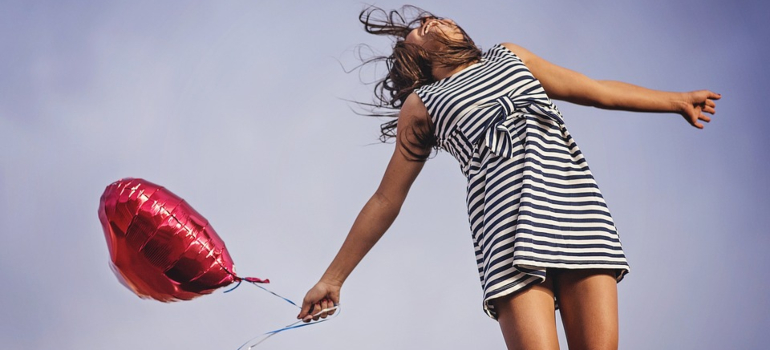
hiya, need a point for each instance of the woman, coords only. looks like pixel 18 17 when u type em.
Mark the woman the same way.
pixel 542 232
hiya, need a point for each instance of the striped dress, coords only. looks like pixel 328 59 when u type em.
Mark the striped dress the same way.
pixel 532 201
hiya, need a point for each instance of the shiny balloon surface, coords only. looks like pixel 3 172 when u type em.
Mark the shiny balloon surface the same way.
pixel 160 247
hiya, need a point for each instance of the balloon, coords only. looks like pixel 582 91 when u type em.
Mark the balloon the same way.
pixel 160 247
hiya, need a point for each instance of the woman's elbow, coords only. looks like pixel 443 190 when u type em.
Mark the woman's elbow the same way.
pixel 389 205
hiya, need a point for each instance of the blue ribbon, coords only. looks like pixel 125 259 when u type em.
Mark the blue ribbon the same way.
pixel 295 325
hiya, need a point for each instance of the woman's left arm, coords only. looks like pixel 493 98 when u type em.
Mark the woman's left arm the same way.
pixel 567 85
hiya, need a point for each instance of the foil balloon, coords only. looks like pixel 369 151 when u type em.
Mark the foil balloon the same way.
pixel 160 247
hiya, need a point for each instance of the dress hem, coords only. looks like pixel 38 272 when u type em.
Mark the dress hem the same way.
pixel 521 265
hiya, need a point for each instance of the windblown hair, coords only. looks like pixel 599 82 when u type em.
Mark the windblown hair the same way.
pixel 410 67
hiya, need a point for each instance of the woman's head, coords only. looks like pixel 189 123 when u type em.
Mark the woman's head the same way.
pixel 431 30
pixel 422 42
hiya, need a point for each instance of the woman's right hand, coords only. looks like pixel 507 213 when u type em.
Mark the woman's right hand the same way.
pixel 323 295
pixel 695 103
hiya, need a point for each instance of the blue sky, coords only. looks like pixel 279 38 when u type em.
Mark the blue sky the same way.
pixel 239 107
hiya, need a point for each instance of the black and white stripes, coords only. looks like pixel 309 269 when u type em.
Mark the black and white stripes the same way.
pixel 532 201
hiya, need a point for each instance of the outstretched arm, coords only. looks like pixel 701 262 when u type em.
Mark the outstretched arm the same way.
pixel 564 84
pixel 378 213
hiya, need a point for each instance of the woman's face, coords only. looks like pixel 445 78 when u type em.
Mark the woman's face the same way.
pixel 425 34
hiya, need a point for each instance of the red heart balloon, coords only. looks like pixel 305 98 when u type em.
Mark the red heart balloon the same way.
pixel 160 247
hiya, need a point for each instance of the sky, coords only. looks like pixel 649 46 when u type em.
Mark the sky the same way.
pixel 240 108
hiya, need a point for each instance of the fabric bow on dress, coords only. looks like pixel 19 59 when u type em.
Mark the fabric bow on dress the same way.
pixel 500 132
pixel 500 126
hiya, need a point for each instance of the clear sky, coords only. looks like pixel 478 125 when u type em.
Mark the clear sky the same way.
pixel 239 107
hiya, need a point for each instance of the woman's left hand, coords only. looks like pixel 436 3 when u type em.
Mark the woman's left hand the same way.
pixel 695 104
pixel 323 296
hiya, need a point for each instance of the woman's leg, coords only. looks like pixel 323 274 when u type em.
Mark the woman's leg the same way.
pixel 588 302
pixel 527 318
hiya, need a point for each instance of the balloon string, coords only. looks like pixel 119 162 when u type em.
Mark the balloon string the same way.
pixel 294 325
pixel 236 286
pixel 298 324
pixel 265 289
pixel 273 293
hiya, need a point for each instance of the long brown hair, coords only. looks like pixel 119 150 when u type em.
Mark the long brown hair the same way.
pixel 409 67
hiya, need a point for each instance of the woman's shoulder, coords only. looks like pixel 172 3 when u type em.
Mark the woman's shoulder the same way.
pixel 414 106
pixel 500 53
pixel 514 50
pixel 502 49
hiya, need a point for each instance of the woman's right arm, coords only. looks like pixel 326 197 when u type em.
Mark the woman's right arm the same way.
pixel 378 213
pixel 567 85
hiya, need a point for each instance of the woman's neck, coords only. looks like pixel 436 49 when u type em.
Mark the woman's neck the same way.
pixel 442 72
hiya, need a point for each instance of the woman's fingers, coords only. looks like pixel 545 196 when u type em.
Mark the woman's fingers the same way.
pixel 305 310
pixel 331 305
pixel 702 102
pixel 325 304
pixel 707 95
pixel 313 296
pixel 322 309
pixel 316 311
pixel 318 301
pixel 308 307
pixel 692 116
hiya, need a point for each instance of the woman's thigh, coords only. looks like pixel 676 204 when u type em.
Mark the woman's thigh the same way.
pixel 527 318
pixel 588 303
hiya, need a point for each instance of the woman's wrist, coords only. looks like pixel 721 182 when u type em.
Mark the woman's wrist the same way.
pixel 678 102
pixel 332 278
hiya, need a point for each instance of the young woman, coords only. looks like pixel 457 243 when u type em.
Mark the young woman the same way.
pixel 541 230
